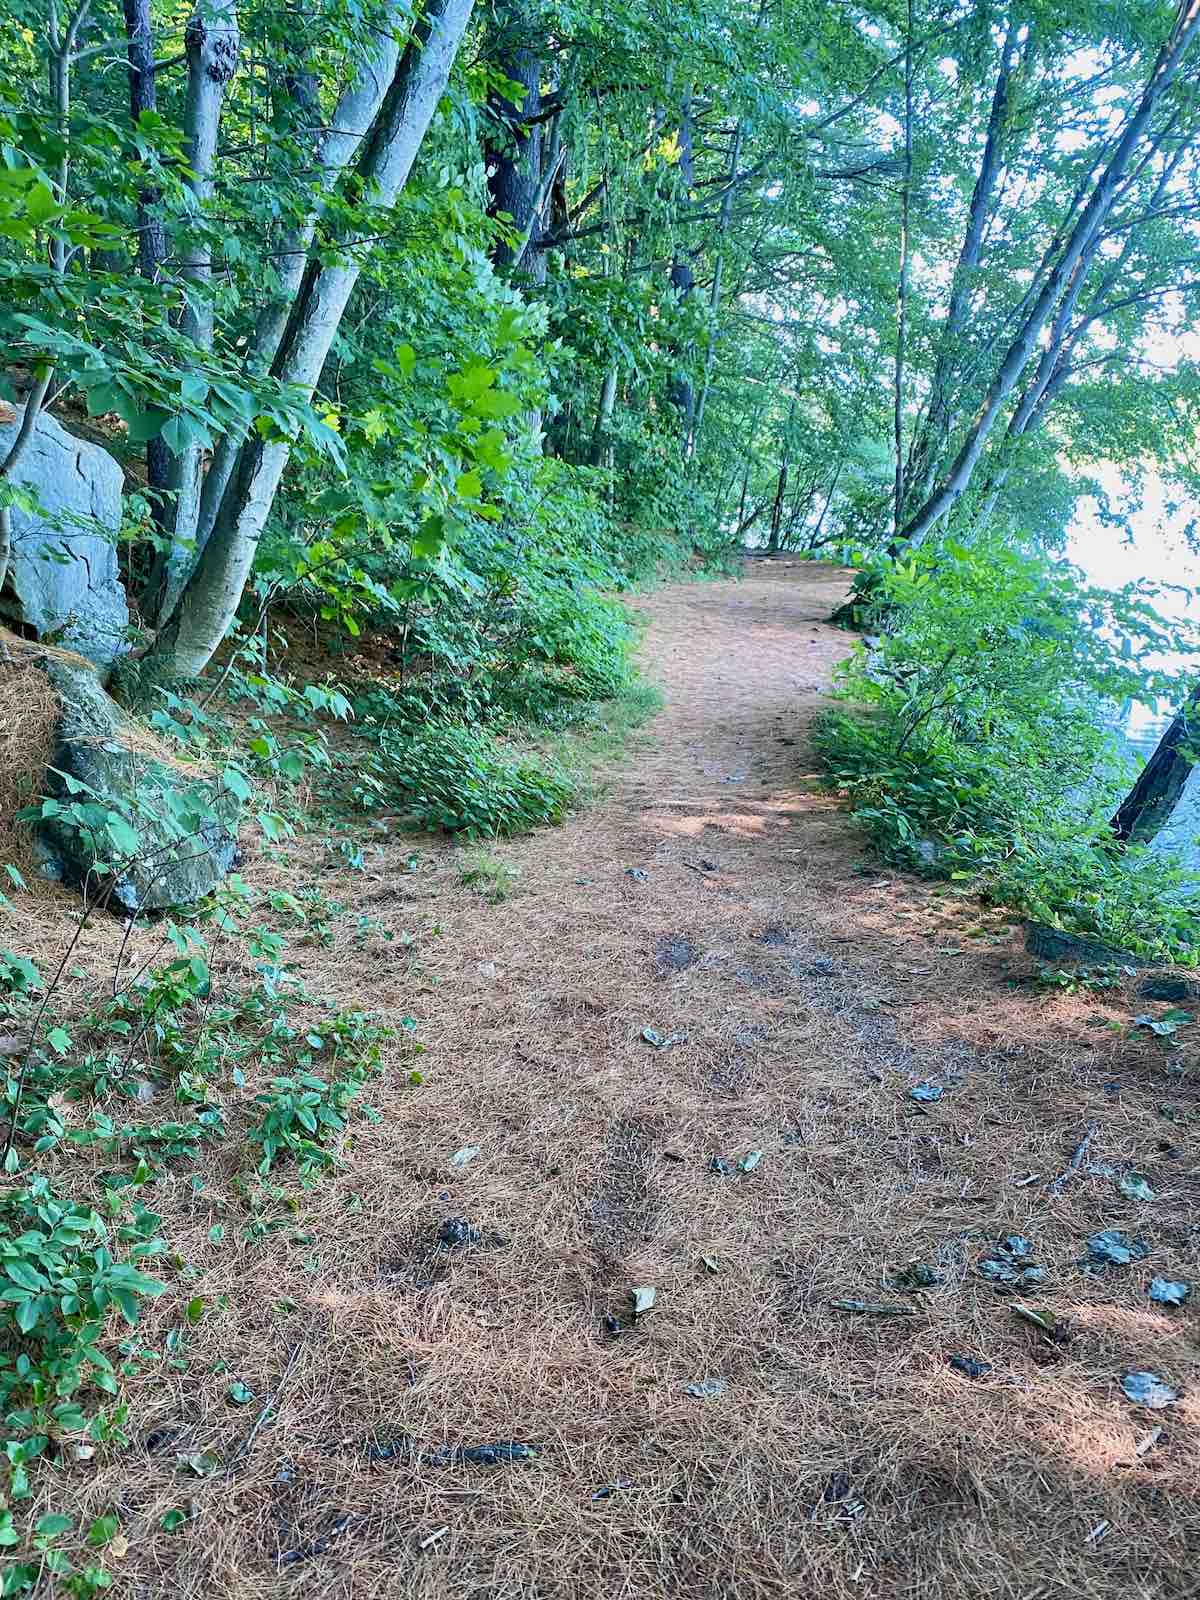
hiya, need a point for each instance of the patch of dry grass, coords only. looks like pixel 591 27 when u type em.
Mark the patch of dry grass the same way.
pixel 845 1456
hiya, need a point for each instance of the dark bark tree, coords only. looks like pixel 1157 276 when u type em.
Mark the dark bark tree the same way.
pixel 514 155
pixel 1148 806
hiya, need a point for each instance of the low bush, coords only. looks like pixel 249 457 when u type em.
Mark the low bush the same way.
pixel 461 780
pixel 979 743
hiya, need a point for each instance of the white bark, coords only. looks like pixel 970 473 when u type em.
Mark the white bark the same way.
pixel 214 592
pixel 356 110
pixel 212 51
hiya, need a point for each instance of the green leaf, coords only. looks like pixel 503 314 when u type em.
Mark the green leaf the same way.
pixel 23 1274
pixel 54 1523
pixel 194 1310
pixel 496 403
pixel 125 839
pixel 240 1394
pixel 103 1529
pixel 40 204
pixel 236 782
pixel 147 425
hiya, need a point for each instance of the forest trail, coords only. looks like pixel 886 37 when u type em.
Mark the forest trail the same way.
pixel 717 898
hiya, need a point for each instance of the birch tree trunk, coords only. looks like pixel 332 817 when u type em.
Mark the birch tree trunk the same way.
pixel 212 52
pixel 214 591
pixel 334 150
pixel 930 438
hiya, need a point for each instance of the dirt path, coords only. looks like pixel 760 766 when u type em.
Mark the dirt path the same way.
pixel 715 896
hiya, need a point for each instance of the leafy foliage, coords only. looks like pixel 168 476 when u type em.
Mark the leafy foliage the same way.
pixel 461 780
pixel 982 746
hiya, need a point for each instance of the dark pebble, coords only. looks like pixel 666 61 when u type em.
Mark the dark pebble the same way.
pixel 971 1366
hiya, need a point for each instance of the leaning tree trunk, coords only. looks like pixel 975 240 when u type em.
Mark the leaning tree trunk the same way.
pixel 1148 806
pixel 1076 253
pixel 335 147
pixel 214 592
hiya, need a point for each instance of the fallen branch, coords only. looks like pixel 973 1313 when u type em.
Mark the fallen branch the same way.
pixel 247 1444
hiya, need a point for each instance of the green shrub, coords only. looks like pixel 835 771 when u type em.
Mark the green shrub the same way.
pixel 59 1280
pixel 979 745
pixel 461 780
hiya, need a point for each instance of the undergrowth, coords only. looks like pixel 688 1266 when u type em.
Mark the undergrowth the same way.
pixel 977 744
pixel 116 1083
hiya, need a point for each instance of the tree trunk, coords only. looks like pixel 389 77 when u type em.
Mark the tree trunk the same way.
pixel 1148 806
pixel 683 280
pixel 336 147
pixel 714 299
pixel 213 594
pixel 1079 248
pixel 604 416
pixel 777 508
pixel 151 240
pixel 931 437
pixel 514 152
pixel 212 52
pixel 902 285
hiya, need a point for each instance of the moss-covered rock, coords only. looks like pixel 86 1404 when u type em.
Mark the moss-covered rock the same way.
pixel 183 820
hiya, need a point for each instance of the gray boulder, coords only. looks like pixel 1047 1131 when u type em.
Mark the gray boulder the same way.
pixel 184 849
pixel 63 570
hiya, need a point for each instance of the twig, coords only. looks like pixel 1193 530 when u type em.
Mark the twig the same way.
pixel 433 1538
pixel 260 1421
pixel 1076 1161
pixel 873 1308
pixel 1148 1443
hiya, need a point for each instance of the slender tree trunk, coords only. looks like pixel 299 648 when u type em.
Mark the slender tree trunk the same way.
pixel 335 148
pixel 151 239
pixel 212 51
pixel 777 507
pixel 604 416
pixel 1148 806
pixel 211 598
pixel 1079 248
pixel 902 284
pixel 820 523
pixel 930 438
pixel 714 299
pixel 683 280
